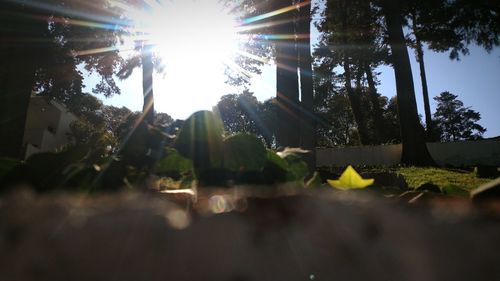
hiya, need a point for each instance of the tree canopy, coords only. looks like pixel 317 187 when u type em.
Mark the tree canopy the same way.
pixel 357 36
pixel 43 44
pixel 455 121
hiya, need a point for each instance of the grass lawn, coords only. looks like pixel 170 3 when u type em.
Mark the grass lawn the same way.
pixel 452 182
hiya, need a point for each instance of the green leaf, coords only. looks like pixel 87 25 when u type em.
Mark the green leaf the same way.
pixel 244 152
pixel 276 160
pixel 297 168
pixel 276 168
pixel 173 162
pixel 200 140
pixel 48 169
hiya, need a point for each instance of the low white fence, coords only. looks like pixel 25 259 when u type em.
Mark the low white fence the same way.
pixel 458 154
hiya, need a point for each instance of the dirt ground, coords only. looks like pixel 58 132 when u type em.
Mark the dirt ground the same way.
pixel 237 236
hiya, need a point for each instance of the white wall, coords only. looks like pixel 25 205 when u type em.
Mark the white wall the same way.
pixel 465 153
pixel 47 126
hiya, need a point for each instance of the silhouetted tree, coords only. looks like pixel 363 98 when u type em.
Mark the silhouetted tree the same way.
pixel 412 135
pixel 391 121
pixel 239 112
pixel 243 113
pixel 96 126
pixel 454 121
pixel 337 126
pixel 417 12
pixel 352 33
pixel 42 45
pixel 308 118
pixel 289 32
pixel 148 107
pixel 450 26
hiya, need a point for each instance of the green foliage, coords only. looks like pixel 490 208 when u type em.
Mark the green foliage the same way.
pixel 244 152
pixel 173 164
pixel 199 153
pixel 243 113
pixel 45 171
pixel 297 168
pixel 454 121
pixel 273 159
pixel 200 140
pixel 241 158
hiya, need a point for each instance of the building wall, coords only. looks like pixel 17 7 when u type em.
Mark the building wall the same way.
pixel 458 154
pixel 47 126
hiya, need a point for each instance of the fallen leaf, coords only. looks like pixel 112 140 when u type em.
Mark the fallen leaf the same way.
pixel 350 179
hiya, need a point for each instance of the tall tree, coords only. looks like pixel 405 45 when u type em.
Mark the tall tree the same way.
pixel 287 86
pixel 308 119
pixel 429 22
pixel 414 148
pixel 18 65
pixel 148 108
pixel 423 76
pixel 286 24
pixel 352 31
pixel 450 26
pixel 454 121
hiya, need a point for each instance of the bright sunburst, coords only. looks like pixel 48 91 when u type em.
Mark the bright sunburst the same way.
pixel 196 41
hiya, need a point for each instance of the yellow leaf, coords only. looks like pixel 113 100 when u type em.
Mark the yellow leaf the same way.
pixel 350 179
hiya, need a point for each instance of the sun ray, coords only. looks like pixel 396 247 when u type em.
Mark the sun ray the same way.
pixel 276 12
pixel 84 23
pixel 126 8
pixel 251 27
pixel 97 51
pixel 252 56
pixel 238 69
pixel 73 13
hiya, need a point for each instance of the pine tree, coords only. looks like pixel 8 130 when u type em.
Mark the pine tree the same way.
pixel 454 121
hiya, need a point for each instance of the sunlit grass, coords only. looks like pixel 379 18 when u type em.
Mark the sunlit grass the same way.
pixel 445 179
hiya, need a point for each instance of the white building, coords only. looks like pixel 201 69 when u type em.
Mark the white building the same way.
pixel 47 126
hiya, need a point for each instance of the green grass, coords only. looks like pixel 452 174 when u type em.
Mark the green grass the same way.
pixel 452 182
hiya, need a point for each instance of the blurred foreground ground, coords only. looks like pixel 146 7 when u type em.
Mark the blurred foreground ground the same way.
pixel 314 235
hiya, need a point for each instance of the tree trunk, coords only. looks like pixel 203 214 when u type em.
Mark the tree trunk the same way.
pixel 355 101
pixel 423 78
pixel 414 148
pixel 15 94
pixel 287 89
pixel 17 74
pixel 308 120
pixel 378 120
pixel 148 109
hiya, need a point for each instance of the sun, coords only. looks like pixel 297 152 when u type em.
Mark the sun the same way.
pixel 196 41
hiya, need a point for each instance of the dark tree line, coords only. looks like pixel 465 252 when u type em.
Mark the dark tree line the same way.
pixel 359 35
pixel 43 43
pixel 244 113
